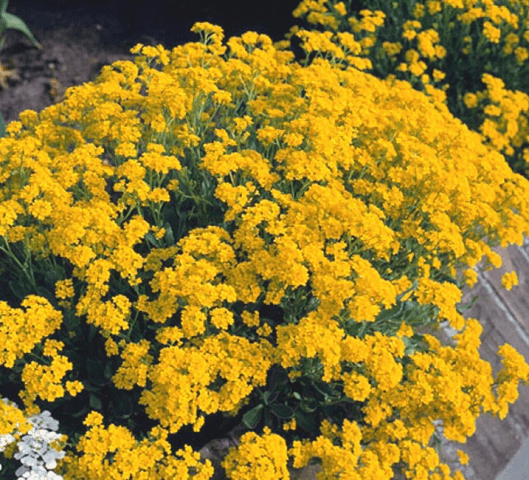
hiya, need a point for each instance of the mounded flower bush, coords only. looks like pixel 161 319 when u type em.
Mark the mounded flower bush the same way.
pixel 218 235
pixel 471 54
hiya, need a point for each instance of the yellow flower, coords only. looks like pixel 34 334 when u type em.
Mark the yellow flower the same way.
pixel 514 364
pixel 492 33
pixel 471 277
pixel 111 347
pixel 221 318
pixel 438 75
pixel 64 289
pixel 251 318
pixel 340 8
pixel 471 100
pixel 418 11
pixel 45 381
pixel 521 54
pixel 258 458
pixel 126 149
pixel 52 347
pixel 509 280
pixel 134 369
pixel 215 183
pixel 356 386
pixel 434 7
pixel 392 48
pixel 22 329
pixel 93 419
pixel 74 388
pixel 405 330
pixel 463 457
pixel 290 425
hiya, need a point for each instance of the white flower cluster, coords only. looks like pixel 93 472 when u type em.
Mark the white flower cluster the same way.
pixel 34 451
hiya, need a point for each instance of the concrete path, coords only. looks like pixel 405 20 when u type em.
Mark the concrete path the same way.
pixel 518 467
pixel 505 319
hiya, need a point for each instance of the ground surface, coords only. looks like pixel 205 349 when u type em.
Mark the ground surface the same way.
pixel 80 37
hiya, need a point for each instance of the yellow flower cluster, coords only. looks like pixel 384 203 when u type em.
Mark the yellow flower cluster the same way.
pixel 184 382
pixel 189 190
pixel 483 40
pixel 509 280
pixel 258 457
pixel 12 419
pixel 44 381
pixel 505 126
pixel 21 330
pixel 113 452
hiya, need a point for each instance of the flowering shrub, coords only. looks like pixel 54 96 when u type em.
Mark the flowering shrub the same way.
pixel 217 234
pixel 471 54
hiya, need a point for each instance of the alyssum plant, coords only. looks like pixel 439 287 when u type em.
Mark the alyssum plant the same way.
pixel 472 55
pixel 217 234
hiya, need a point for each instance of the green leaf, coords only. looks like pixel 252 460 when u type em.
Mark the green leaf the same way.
pixel 394 312
pixel 309 403
pixel 307 422
pixel 96 370
pixel 268 419
pixel 169 235
pixel 2 126
pixel 122 406
pixel 12 21
pixel 252 417
pixel 151 240
pixel 90 388
pixel 278 379
pixel 81 412
pixel 44 292
pixel 20 288
pixel 108 371
pixel 326 390
pixel 51 275
pixel 266 397
pixel 281 411
pixel 92 331
pixel 95 402
pixel 362 329
pixel 313 304
pixel 3 28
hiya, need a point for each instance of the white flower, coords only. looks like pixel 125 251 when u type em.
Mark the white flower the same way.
pixel 45 421
pixel 5 440
pixel 50 459
pixel 40 476
pixel 34 451
pixel 38 473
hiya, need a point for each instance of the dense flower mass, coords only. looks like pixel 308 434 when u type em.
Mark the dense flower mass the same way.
pixel 472 55
pixel 217 231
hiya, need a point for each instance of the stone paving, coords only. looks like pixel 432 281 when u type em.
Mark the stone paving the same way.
pixel 505 319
